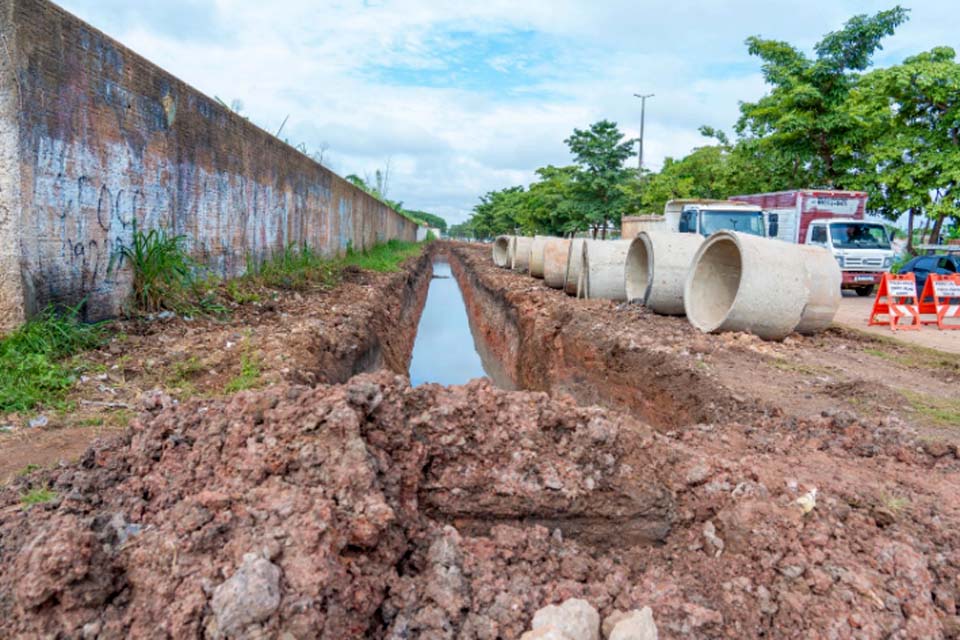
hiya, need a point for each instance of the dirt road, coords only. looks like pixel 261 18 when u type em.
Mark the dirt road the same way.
pixel 855 310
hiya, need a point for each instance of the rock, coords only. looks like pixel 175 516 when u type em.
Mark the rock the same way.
pixel 575 619
pixel 548 632
pixel 611 621
pixel 636 625
pixel 249 596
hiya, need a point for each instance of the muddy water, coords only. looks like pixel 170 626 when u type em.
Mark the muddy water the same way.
pixel 446 349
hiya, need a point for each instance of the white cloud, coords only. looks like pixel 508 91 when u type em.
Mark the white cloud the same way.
pixel 357 76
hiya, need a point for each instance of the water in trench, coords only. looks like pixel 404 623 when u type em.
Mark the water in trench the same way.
pixel 446 349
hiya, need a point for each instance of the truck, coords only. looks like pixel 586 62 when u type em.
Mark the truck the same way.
pixel 834 220
pixel 708 216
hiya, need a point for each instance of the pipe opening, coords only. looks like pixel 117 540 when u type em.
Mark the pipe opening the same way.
pixel 714 284
pixel 639 274
pixel 501 251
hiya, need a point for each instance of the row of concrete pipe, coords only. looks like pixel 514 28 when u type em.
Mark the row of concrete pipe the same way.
pixel 727 282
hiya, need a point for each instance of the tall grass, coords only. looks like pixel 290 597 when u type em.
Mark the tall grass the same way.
pixel 165 277
pixel 384 257
pixel 32 373
pixel 295 269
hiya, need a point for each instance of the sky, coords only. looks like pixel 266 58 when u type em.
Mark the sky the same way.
pixel 462 97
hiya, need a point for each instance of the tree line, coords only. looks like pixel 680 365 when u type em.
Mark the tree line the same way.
pixel 827 121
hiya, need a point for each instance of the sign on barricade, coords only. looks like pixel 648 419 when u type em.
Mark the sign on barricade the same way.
pixel 943 293
pixel 897 300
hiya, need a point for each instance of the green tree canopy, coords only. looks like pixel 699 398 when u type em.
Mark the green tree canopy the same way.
pixel 802 124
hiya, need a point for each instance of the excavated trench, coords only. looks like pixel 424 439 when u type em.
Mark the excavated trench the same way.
pixel 546 342
pixel 306 510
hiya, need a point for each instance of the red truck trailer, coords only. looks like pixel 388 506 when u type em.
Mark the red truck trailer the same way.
pixel 832 219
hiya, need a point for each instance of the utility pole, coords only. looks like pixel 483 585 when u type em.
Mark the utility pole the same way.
pixel 643 109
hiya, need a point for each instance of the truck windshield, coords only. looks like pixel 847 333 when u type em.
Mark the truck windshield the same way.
pixel 858 235
pixel 743 221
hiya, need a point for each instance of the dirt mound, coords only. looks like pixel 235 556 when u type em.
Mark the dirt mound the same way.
pixel 316 494
pixel 373 509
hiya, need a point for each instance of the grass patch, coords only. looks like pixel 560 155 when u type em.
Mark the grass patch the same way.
pixel 944 412
pixel 799 367
pixel 27 470
pixel 185 370
pixel 249 376
pixel 385 257
pixel 32 373
pixel 236 291
pixel 295 269
pixel 37 496
pixel 908 355
pixel 165 277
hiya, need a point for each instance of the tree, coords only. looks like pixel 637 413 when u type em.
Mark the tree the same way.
pixel 908 119
pixel 802 125
pixel 600 152
pixel 431 219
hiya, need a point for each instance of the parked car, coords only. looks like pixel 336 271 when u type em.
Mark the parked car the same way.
pixel 922 266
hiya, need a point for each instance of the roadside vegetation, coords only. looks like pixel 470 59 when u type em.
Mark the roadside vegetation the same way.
pixel 166 278
pixel 828 120
pixel 33 368
pixel 40 361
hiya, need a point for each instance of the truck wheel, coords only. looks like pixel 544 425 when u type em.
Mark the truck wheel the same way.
pixel 863 292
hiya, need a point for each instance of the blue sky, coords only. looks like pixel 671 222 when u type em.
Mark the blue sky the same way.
pixel 460 98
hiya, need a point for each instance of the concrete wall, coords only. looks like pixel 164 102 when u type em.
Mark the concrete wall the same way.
pixel 95 140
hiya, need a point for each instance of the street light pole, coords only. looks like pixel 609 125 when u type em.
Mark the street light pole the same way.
pixel 643 109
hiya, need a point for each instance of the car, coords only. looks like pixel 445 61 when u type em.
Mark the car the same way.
pixel 922 266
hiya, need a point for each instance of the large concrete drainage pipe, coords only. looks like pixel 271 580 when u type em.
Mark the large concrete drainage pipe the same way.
pixel 555 253
pixel 656 269
pixel 536 255
pixel 823 280
pixel 574 262
pixel 602 270
pixel 739 282
pixel 520 258
pixel 501 251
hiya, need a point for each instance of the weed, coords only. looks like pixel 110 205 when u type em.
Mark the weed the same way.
pixel 162 270
pixel 37 496
pixel 802 368
pixel 913 355
pixel 237 292
pixel 31 371
pixel 895 504
pixel 27 470
pixel 384 257
pixel 296 269
pixel 91 422
pixel 166 277
pixel 249 376
pixel 185 370
pixel 944 412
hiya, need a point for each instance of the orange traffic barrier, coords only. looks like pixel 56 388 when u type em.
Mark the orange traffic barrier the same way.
pixel 897 300
pixel 943 294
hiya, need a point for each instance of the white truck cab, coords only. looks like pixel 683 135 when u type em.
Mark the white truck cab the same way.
pixel 709 216
pixel 862 249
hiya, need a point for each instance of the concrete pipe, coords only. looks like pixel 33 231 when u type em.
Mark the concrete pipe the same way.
pixel 555 254
pixel 739 282
pixel 501 251
pixel 536 255
pixel 602 271
pixel 823 279
pixel 574 262
pixel 520 259
pixel 656 269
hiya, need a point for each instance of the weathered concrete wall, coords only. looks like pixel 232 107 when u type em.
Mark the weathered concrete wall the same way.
pixel 95 141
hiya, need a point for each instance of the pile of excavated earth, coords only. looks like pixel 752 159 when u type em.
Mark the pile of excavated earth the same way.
pixel 373 509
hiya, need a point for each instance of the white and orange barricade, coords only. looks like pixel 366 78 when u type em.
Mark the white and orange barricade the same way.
pixel 941 299
pixel 897 300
